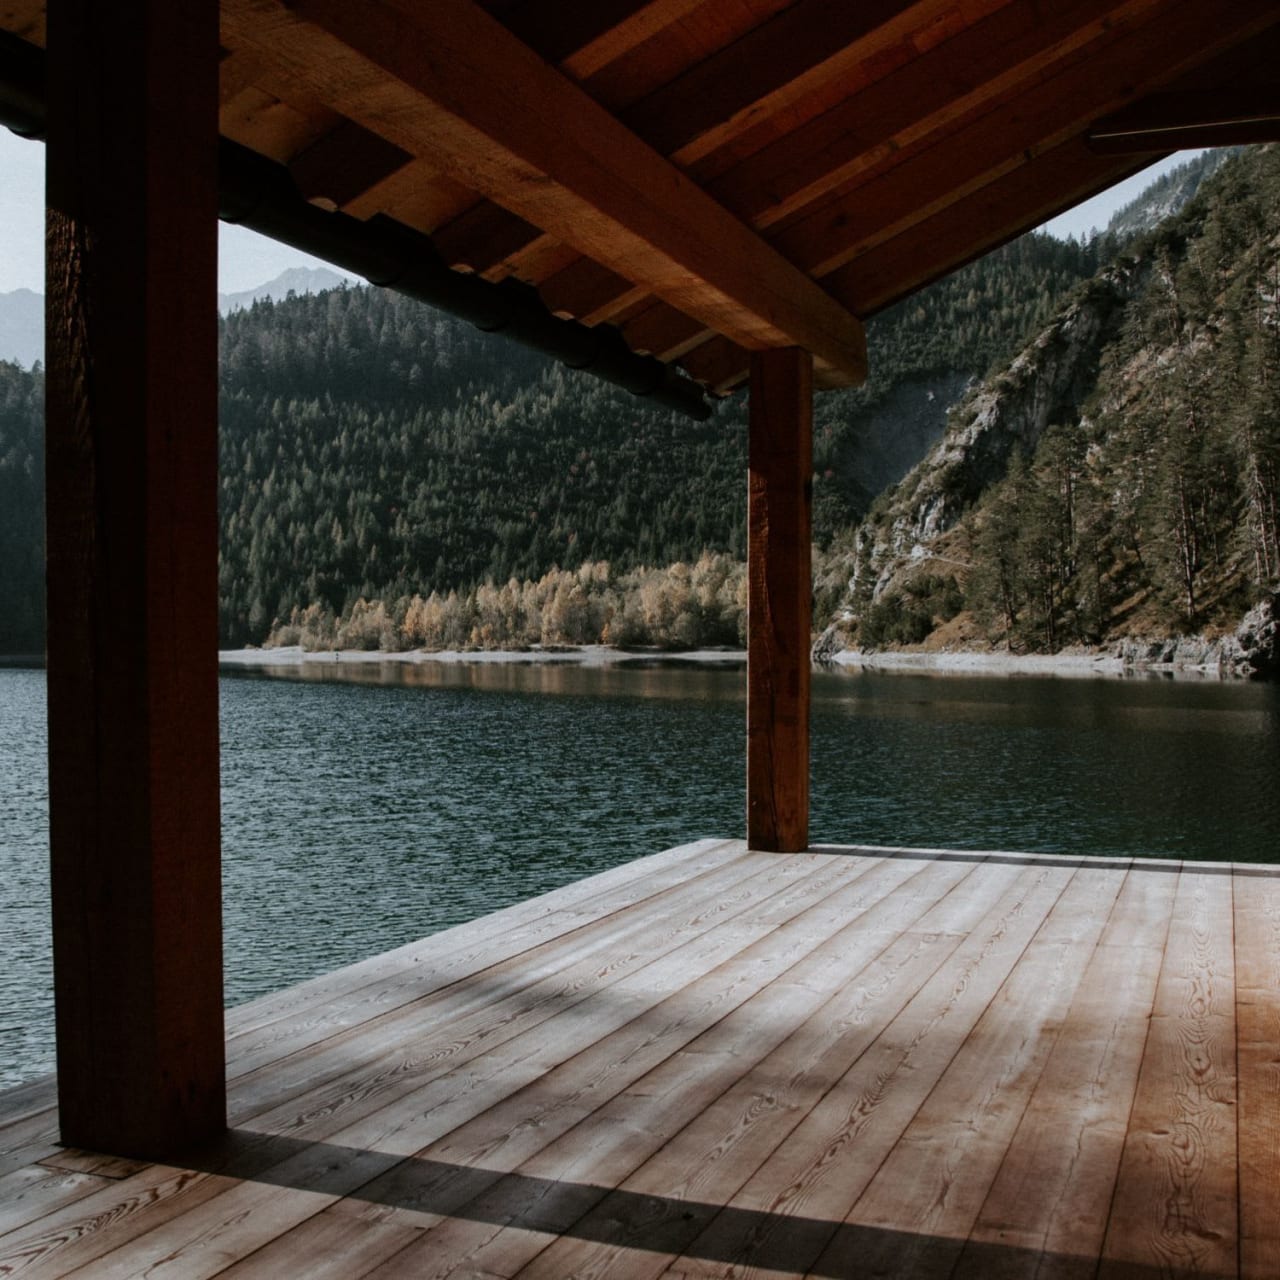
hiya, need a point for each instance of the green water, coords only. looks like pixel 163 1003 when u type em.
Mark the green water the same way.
pixel 367 806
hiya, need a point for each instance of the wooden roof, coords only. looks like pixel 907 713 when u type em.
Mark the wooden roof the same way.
pixel 716 176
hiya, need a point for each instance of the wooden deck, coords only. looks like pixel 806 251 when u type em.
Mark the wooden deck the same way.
pixel 713 1062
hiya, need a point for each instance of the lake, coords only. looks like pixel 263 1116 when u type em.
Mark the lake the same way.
pixel 368 805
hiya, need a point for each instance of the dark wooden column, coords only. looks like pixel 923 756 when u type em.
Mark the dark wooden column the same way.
pixel 132 571
pixel 779 601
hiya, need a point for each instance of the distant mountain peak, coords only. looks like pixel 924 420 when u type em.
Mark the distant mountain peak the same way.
pixel 22 310
pixel 294 280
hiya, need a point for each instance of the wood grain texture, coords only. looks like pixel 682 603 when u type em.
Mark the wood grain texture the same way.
pixel 1094 80
pixel 452 86
pixel 1257 960
pixel 1053 1192
pixel 132 573
pixel 791 1210
pixel 846 1062
pixel 779 599
pixel 1175 1206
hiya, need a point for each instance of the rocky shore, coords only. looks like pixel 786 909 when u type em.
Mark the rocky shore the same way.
pixel 1253 651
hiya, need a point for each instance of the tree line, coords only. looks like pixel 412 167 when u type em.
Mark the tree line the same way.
pixel 681 606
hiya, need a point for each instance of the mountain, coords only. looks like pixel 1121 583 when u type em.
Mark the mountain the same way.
pixel 297 280
pixel 373 450
pixel 22 311
pixel 22 327
pixel 1119 481
pixel 1167 196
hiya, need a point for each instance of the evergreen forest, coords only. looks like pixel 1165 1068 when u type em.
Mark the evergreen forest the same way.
pixel 1150 506
pixel 391 477
pixel 374 450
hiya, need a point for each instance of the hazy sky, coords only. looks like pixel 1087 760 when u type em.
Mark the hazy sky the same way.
pixel 247 260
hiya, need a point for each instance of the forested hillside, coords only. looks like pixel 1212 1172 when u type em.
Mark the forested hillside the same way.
pixel 1122 477
pixel 21 510
pixel 373 450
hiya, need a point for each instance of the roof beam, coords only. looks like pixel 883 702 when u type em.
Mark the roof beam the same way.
pixel 581 40
pixel 998 213
pixel 875 127
pixel 1178 38
pixel 775 65
pixel 952 81
pixel 451 85
pixel 1209 118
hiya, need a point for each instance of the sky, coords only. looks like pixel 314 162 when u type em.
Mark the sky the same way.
pixel 246 260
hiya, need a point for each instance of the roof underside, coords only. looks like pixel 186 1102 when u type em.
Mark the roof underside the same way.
pixel 717 176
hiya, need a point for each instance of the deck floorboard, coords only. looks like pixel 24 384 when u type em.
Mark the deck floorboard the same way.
pixel 721 1063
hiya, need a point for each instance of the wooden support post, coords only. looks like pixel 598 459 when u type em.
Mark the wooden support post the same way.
pixel 132 572
pixel 779 602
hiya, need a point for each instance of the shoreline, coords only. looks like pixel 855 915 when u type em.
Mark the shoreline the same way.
pixel 1009 664
pixel 587 655
pixel 1071 664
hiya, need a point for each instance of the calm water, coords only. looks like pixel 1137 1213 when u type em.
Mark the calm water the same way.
pixel 378 804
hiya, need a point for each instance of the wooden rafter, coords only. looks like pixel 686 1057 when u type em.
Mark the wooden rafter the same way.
pixel 875 127
pixel 451 85
pixel 774 66
pixel 1003 77
pixel 985 220
pixel 1012 134
pixel 1199 119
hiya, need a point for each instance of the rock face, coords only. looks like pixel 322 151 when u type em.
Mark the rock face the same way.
pixel 1258 639
pixel 1254 649
pixel 1045 384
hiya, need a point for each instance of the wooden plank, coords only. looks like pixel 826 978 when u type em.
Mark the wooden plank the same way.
pixel 132 571
pixel 215 1217
pixel 1175 1205
pixel 876 124
pixel 500 1139
pixel 466 948
pixel 24 1100
pixel 779 608
pixel 33 1191
pixel 448 83
pixel 383 1005
pixel 933 92
pixel 55 1243
pixel 1046 1212
pixel 1092 82
pixel 773 66
pixel 506 1225
pixel 992 216
pixel 668 1200
pixel 324 1247
pixel 926 1196
pixel 1257 957
pixel 530 989
pixel 813 1178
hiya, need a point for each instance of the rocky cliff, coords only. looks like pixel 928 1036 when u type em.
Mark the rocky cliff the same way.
pixel 1117 485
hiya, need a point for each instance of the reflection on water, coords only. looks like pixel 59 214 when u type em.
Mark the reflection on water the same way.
pixel 365 805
